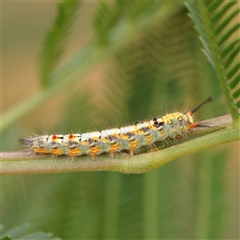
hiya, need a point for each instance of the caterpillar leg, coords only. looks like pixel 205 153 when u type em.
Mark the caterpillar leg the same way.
pixel 41 150
pixel 93 156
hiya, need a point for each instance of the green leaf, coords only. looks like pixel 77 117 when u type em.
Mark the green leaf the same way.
pixel 233 71
pixel 238 104
pixel 227 50
pixel 226 21
pixel 220 13
pixel 214 5
pixel 232 56
pixel 17 233
pixel 228 34
pixel 236 94
pixel 6 238
pixel 235 82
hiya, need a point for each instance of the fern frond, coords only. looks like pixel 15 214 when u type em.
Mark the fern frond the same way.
pixel 214 22
pixel 55 40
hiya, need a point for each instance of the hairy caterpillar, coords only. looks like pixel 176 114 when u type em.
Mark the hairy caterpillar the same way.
pixel 127 138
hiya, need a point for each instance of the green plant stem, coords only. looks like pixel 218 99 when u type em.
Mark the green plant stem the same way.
pixel 27 163
pixel 217 61
pixel 122 34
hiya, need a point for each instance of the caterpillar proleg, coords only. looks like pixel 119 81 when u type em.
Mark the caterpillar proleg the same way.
pixel 127 138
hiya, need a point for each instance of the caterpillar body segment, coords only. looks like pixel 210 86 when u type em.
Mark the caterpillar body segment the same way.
pixel 110 140
pixel 72 146
pixel 127 138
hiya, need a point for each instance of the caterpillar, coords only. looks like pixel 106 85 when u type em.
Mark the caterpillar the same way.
pixel 127 138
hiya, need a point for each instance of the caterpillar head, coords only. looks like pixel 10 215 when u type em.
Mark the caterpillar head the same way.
pixel 189 114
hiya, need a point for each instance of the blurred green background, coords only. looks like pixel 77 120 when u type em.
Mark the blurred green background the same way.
pixel 196 197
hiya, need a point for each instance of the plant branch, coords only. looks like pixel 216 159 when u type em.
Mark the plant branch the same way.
pixel 25 162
